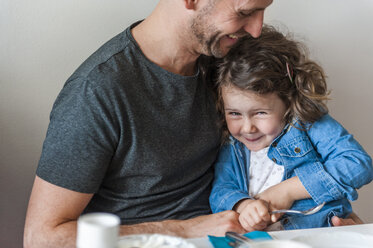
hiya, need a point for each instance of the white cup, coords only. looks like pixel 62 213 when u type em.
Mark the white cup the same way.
pixel 97 230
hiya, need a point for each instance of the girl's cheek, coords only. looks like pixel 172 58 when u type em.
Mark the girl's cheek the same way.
pixel 232 127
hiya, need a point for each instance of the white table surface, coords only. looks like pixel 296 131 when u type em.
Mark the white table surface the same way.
pixel 363 229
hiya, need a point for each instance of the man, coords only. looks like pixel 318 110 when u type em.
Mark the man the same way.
pixel 133 131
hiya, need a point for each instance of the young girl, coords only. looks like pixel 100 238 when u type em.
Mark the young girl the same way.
pixel 284 150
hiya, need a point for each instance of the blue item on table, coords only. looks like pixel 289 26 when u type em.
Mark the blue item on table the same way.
pixel 222 242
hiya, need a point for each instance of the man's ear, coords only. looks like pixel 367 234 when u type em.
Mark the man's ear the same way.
pixel 190 4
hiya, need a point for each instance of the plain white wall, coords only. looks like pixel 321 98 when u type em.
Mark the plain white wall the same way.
pixel 42 42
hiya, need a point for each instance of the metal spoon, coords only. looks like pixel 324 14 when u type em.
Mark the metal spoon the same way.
pixel 238 240
pixel 305 212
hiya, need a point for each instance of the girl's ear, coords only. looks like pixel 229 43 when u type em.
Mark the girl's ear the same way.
pixel 190 4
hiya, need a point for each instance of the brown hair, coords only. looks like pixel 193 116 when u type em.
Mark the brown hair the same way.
pixel 260 65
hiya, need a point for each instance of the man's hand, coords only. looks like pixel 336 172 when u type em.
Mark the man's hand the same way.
pixel 214 224
pixel 353 219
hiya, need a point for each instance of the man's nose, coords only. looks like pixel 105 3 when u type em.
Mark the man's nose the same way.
pixel 255 24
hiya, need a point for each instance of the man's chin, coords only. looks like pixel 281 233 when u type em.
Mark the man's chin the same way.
pixel 220 53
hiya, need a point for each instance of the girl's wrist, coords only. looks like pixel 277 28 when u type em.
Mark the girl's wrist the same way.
pixel 241 204
pixel 295 189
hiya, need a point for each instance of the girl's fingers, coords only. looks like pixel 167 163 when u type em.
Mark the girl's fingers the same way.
pixel 274 218
pixel 263 213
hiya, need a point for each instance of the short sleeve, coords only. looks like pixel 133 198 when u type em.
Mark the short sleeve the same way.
pixel 81 138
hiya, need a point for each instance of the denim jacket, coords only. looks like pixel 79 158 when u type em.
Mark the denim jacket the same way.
pixel 329 162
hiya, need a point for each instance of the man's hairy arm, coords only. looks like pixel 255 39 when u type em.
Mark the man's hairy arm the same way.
pixel 52 214
pixel 201 226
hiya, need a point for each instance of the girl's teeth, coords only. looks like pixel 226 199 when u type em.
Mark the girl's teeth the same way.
pixel 232 36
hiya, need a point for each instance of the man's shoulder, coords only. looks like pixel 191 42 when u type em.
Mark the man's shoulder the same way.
pixel 113 65
pixel 103 57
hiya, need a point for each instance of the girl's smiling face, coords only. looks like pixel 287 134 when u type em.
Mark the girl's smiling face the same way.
pixel 255 120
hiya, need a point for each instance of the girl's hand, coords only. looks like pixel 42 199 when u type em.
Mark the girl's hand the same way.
pixel 283 195
pixel 277 197
pixel 254 214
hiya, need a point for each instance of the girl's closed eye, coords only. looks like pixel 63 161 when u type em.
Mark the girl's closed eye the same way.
pixel 261 113
pixel 232 113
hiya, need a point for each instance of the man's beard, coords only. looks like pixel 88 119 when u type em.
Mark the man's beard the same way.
pixel 207 36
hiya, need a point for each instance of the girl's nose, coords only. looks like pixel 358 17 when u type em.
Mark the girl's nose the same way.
pixel 248 127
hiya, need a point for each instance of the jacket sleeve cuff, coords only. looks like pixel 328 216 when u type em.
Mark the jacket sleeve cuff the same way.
pixel 231 200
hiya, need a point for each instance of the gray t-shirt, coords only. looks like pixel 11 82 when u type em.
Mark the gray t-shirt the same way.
pixel 142 139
